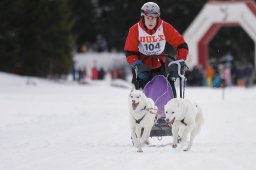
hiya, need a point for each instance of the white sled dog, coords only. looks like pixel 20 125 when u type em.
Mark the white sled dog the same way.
pixel 186 119
pixel 142 117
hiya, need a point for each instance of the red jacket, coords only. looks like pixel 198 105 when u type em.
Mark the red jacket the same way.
pixel 172 37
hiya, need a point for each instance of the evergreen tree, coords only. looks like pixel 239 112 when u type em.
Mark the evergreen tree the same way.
pixel 38 39
pixel 9 47
pixel 85 17
pixel 117 16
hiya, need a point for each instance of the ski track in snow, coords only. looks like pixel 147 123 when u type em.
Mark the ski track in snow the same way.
pixel 71 127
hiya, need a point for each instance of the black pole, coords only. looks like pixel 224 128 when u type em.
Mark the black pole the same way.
pixel 181 87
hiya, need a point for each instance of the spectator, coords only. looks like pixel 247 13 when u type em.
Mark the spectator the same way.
pixel 101 74
pixel 209 75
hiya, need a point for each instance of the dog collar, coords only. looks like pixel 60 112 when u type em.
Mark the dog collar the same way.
pixel 143 108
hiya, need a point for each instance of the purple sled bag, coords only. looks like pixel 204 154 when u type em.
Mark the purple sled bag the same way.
pixel 159 90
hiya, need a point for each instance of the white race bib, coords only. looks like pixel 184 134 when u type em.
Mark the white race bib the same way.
pixel 152 44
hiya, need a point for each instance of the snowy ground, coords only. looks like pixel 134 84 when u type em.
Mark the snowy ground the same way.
pixel 53 126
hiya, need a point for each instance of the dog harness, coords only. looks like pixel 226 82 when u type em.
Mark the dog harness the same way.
pixel 183 121
pixel 138 121
pixel 145 108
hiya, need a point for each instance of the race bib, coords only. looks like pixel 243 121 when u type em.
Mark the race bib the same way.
pixel 152 44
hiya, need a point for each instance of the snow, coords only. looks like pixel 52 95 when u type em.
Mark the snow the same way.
pixel 63 126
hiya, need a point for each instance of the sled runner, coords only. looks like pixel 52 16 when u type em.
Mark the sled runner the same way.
pixel 161 89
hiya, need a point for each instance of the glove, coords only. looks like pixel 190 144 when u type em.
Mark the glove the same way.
pixel 173 69
pixel 182 63
pixel 182 66
pixel 143 75
pixel 137 63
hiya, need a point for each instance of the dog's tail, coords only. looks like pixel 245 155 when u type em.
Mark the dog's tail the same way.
pixel 199 119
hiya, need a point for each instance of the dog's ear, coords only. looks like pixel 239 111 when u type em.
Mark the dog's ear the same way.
pixel 182 105
pixel 165 107
pixel 150 103
pixel 144 94
pixel 132 89
pixel 179 105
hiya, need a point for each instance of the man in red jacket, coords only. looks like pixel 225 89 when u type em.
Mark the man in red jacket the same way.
pixel 148 37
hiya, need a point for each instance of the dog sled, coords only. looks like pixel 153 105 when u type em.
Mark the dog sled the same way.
pixel 161 89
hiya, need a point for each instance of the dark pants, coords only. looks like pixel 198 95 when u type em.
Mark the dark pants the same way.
pixel 140 84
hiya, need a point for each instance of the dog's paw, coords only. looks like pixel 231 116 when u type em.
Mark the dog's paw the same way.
pixel 139 150
pixel 186 149
pixel 146 142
